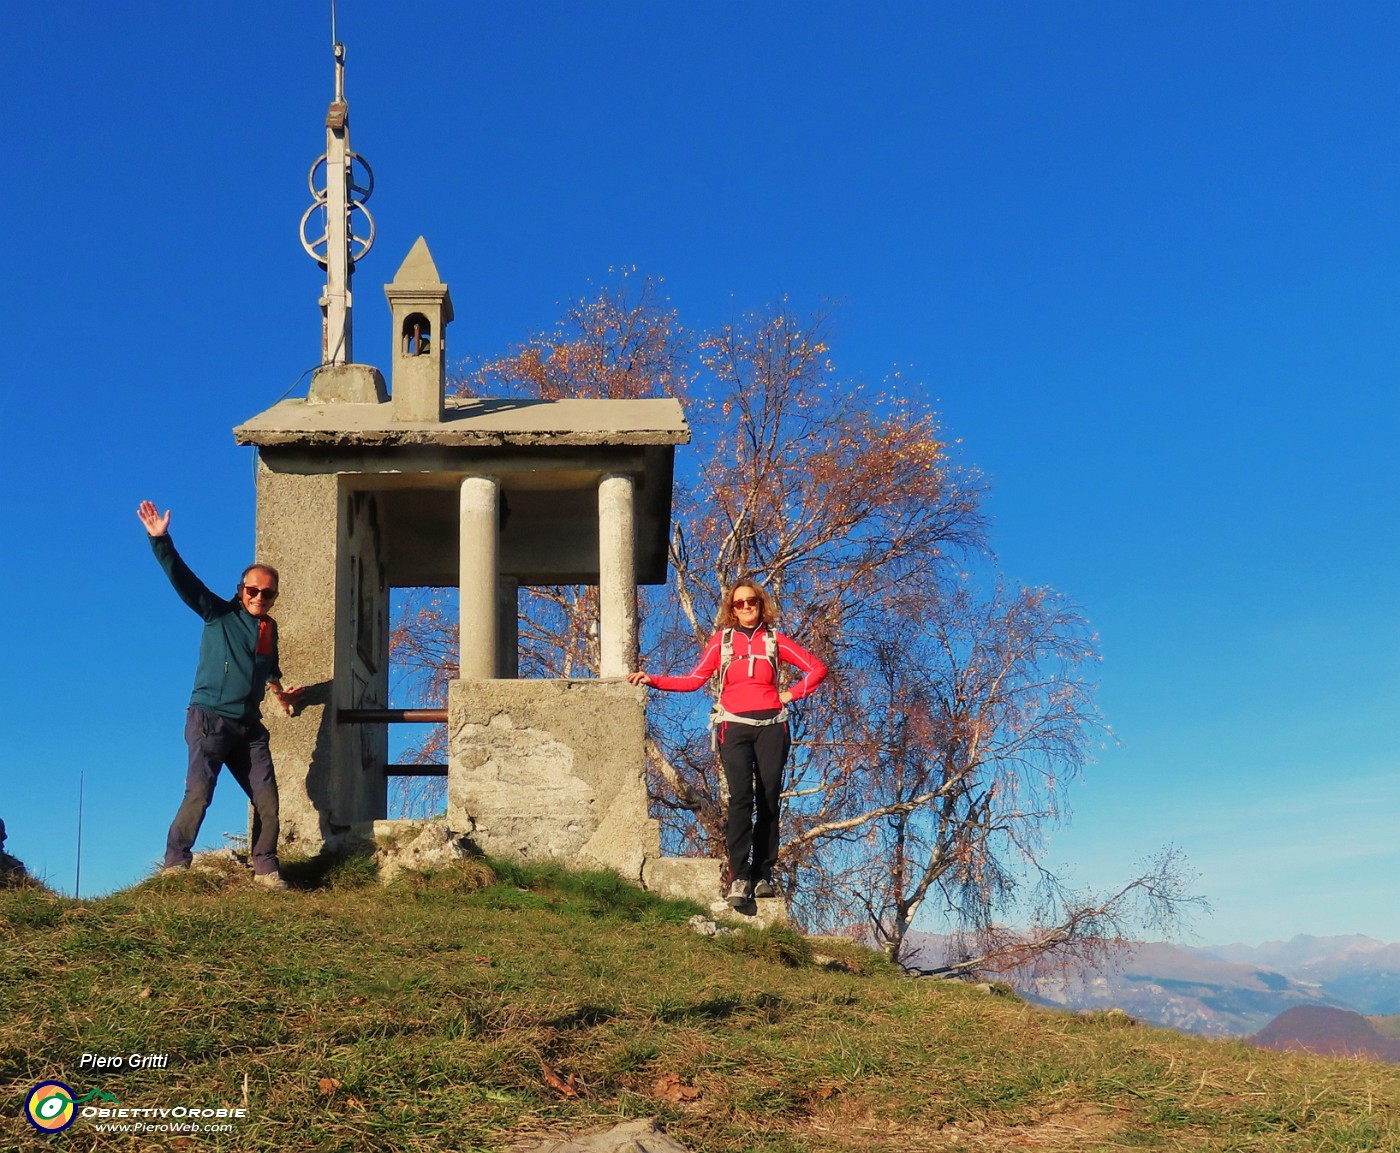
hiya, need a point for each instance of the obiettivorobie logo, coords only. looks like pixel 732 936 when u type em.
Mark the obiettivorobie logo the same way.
pixel 51 1106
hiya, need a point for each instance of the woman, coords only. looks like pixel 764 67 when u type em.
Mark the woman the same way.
pixel 752 726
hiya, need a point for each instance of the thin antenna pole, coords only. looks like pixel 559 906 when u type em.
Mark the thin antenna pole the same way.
pixel 78 869
pixel 338 248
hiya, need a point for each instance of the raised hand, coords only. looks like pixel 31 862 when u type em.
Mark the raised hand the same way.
pixel 157 524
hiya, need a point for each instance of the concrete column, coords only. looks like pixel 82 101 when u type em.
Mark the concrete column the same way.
pixel 476 552
pixel 508 628
pixel 617 578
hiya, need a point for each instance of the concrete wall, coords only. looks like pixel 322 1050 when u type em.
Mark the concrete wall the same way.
pixel 362 657
pixel 551 770
pixel 333 618
pixel 296 532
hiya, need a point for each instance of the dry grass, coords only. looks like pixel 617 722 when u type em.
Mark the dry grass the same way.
pixel 448 1013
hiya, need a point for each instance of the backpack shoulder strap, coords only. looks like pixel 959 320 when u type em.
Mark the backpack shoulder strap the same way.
pixel 726 654
pixel 726 658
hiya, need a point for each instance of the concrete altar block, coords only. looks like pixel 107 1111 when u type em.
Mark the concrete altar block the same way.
pixel 695 879
pixel 551 770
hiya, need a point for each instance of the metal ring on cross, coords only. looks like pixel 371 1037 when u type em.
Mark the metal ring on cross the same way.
pixel 316 249
pixel 357 190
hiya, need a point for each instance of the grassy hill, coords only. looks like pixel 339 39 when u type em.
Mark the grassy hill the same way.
pixel 1323 1029
pixel 461 1012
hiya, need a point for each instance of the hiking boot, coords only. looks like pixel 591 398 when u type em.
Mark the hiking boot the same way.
pixel 764 888
pixel 738 894
pixel 172 870
pixel 271 880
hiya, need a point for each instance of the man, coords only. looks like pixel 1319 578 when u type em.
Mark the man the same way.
pixel 223 726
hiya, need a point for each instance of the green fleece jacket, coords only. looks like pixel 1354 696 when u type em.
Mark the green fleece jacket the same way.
pixel 231 677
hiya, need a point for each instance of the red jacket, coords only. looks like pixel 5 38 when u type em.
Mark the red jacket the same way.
pixel 749 684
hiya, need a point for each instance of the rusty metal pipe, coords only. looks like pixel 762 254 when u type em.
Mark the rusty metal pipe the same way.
pixel 391 716
pixel 415 770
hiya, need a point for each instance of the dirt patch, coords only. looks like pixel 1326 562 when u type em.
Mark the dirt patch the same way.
pixel 851 1129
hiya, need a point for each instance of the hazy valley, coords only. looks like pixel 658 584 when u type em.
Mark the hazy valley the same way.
pixel 1242 991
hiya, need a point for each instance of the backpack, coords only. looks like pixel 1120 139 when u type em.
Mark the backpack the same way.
pixel 718 714
pixel 726 655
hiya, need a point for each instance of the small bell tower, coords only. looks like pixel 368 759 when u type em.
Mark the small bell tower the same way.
pixel 421 308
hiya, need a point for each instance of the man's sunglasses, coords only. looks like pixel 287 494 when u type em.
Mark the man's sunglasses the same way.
pixel 746 602
pixel 260 594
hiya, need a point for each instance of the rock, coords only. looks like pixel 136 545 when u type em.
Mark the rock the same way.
pixel 629 1137
pixel 426 845
pixel 756 913
pixel 221 861
pixel 13 874
pixel 707 928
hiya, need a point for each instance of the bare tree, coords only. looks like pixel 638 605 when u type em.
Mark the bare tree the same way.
pixel 623 342
pixel 969 715
pixel 1076 930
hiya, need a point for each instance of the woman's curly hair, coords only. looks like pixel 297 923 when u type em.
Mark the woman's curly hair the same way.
pixel 767 610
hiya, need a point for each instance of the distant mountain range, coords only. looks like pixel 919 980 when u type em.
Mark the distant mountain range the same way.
pixel 1229 990
pixel 1360 972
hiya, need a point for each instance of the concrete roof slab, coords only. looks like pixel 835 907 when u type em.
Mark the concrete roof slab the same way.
pixel 480 422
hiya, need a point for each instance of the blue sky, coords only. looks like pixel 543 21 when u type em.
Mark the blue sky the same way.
pixel 1145 258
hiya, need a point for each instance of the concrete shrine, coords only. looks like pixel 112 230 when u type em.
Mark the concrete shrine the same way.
pixel 358 497
pixel 362 488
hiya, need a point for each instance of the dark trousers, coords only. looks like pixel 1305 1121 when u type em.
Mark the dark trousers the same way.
pixel 216 741
pixel 753 759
